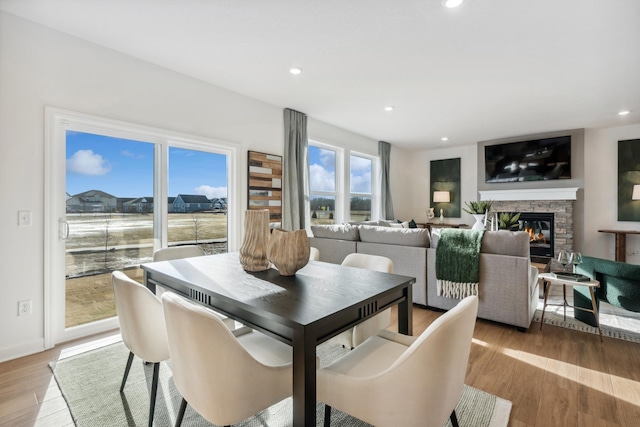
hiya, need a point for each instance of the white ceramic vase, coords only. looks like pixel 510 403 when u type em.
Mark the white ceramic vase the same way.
pixel 479 225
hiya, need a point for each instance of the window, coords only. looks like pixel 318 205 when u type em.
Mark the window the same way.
pixel 323 184
pixel 340 192
pixel 361 185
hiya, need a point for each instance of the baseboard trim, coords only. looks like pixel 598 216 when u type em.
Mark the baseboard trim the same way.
pixel 21 350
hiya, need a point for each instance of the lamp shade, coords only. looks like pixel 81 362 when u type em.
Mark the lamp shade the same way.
pixel 443 196
pixel 636 193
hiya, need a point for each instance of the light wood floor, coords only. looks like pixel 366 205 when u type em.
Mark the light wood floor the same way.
pixel 554 377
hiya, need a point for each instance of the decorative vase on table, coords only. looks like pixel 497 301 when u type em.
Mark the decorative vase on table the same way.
pixel 253 252
pixel 288 250
pixel 430 215
pixel 479 225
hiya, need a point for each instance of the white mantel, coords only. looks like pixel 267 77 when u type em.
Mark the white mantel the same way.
pixel 530 194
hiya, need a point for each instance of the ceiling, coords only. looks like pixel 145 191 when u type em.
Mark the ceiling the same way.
pixel 486 70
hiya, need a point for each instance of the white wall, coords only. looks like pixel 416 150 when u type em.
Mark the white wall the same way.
pixel 601 195
pixel 40 67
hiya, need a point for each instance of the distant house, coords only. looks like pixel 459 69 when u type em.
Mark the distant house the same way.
pixel 170 202
pixel 219 204
pixel 121 201
pixel 92 201
pixel 191 203
pixel 138 205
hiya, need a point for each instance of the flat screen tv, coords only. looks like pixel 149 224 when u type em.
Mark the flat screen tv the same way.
pixel 534 160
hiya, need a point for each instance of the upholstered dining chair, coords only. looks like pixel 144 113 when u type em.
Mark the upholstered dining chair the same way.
pixel 177 252
pixel 142 328
pixel 370 327
pixel 180 252
pixel 398 380
pixel 224 377
pixel 314 254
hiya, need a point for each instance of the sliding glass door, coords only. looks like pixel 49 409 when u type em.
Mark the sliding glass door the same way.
pixel 115 193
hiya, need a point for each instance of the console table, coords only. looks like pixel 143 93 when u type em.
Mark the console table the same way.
pixel 431 225
pixel 621 242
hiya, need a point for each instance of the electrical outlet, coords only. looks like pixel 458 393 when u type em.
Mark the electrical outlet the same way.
pixel 24 307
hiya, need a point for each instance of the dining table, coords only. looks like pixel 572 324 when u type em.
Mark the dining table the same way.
pixel 304 310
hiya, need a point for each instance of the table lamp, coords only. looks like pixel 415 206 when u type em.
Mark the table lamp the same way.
pixel 443 197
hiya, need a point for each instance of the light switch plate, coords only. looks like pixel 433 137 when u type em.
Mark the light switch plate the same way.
pixel 24 218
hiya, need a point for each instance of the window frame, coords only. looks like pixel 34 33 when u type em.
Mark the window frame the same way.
pixel 343 181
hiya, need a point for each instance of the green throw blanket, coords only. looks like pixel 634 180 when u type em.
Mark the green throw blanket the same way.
pixel 458 262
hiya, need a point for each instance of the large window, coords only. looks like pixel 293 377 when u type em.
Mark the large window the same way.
pixel 341 190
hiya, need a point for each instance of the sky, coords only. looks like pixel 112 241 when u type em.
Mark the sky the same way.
pixel 322 171
pixel 124 168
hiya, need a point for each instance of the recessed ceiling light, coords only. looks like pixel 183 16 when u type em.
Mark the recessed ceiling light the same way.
pixel 451 3
pixel 624 112
pixel 388 108
pixel 444 138
pixel 295 71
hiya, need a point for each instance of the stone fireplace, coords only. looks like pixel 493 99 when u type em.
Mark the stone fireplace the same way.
pixel 557 202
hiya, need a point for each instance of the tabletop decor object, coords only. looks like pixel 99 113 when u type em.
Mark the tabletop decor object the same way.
pixel 288 250
pixel 253 252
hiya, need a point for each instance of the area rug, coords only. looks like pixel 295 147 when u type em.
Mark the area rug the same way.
pixel 90 384
pixel 615 322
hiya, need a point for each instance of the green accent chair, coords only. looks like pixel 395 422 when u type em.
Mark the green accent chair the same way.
pixel 619 286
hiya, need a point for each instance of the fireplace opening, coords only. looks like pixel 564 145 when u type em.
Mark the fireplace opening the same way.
pixel 540 226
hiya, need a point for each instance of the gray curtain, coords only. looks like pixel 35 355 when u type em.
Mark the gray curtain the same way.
pixel 295 197
pixel 384 150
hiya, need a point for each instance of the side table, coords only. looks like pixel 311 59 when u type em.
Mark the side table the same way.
pixel 549 279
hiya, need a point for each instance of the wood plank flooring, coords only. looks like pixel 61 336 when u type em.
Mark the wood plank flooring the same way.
pixel 554 377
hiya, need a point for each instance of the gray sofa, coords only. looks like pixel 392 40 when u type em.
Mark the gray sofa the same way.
pixel 508 288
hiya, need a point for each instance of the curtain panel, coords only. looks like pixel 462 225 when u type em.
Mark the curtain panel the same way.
pixel 295 197
pixel 386 203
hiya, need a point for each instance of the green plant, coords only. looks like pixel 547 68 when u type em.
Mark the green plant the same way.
pixel 508 221
pixel 478 208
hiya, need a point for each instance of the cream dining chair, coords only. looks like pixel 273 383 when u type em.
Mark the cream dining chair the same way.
pixel 181 252
pixel 398 380
pixel 177 252
pixel 142 328
pixel 370 327
pixel 225 378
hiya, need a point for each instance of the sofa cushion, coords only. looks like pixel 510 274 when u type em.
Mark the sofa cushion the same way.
pixel 336 231
pixel 418 237
pixel 503 242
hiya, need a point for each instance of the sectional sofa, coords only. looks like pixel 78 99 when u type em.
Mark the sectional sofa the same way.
pixel 508 288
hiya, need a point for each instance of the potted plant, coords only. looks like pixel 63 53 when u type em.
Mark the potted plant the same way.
pixel 478 209
pixel 509 221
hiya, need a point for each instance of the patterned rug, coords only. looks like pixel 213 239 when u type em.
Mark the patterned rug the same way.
pixel 90 382
pixel 615 322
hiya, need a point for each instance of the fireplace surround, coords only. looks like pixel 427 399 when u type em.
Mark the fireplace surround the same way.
pixel 562 211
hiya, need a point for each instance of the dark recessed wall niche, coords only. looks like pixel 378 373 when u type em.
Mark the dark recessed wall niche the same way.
pixel 445 176
pixel 628 176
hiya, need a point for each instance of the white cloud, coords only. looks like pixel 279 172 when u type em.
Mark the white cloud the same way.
pixel 360 163
pixel 211 192
pixel 128 153
pixel 86 162
pixel 361 183
pixel 321 179
pixel 328 158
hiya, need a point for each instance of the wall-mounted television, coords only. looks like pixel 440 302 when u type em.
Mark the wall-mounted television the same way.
pixel 534 160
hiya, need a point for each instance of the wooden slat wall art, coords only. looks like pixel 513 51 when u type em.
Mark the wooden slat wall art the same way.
pixel 265 184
